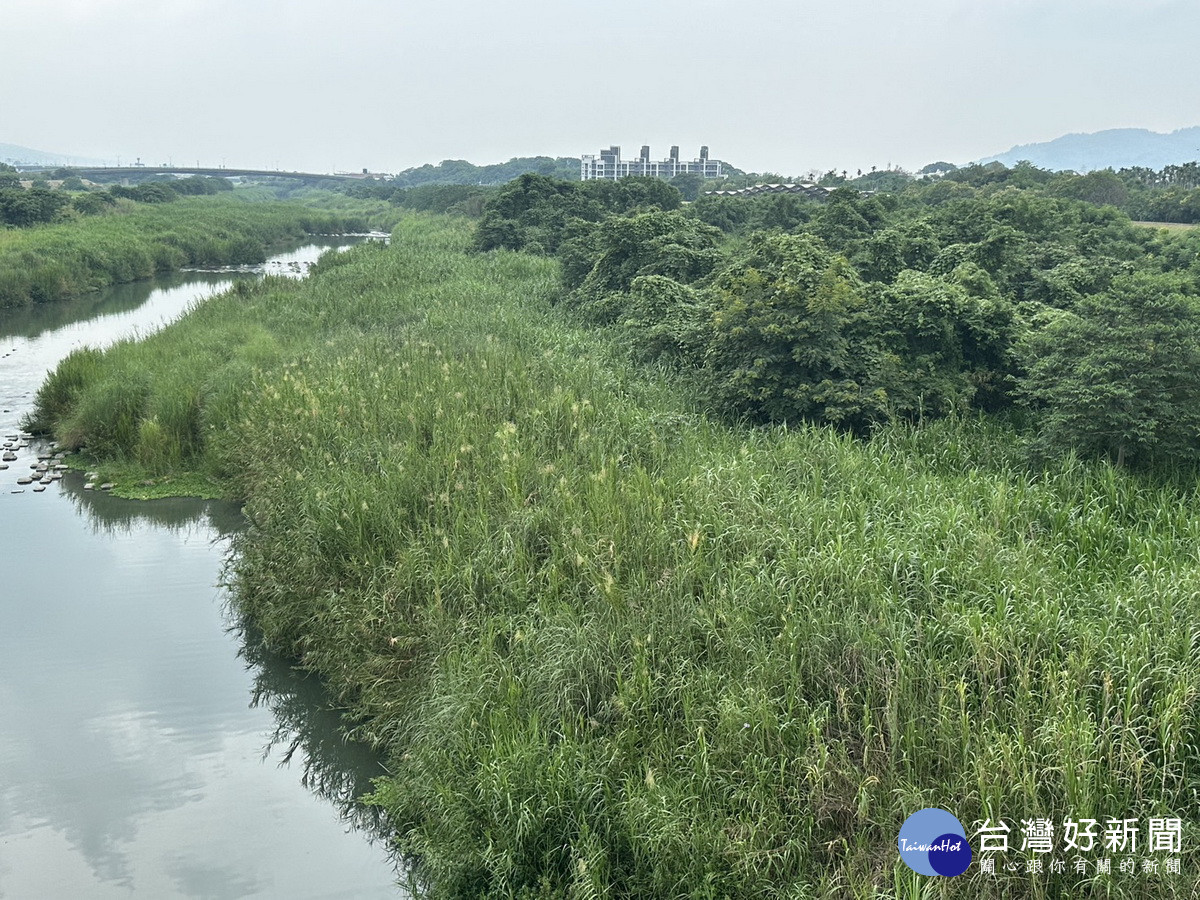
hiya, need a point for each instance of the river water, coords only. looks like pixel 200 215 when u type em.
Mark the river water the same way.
pixel 146 749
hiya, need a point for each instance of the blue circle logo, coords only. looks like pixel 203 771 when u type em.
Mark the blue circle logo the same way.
pixel 933 842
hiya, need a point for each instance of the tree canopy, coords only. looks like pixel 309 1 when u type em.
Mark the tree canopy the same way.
pixel 952 295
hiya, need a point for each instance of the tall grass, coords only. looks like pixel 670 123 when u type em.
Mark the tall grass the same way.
pixel 617 650
pixel 135 241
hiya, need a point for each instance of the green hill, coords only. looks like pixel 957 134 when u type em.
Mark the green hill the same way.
pixel 459 171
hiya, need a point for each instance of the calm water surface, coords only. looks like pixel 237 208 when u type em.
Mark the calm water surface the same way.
pixel 144 752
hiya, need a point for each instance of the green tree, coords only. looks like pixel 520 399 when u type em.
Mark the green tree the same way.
pixel 792 338
pixel 949 349
pixel 937 168
pixel 35 206
pixel 94 203
pixel 669 244
pixel 847 219
pixel 534 210
pixel 634 192
pixel 9 176
pixel 1120 377
pixel 665 321
pixel 1101 187
pixel 909 245
pixel 154 192
pixel 689 185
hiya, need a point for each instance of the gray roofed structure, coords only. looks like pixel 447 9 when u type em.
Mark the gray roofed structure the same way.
pixel 808 189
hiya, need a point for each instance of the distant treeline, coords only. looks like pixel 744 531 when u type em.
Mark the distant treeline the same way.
pixel 40 204
pixel 975 292
pixel 459 171
pixel 455 199
pixel 1171 194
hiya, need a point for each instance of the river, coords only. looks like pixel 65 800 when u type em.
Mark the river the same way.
pixel 146 748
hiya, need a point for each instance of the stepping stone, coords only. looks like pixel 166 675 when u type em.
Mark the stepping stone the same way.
pixel 107 486
pixel 24 480
pixel 89 486
pixel 39 488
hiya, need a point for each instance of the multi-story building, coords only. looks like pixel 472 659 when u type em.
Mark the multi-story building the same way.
pixel 610 165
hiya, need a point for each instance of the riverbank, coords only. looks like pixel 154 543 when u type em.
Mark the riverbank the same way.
pixel 144 735
pixel 137 240
pixel 614 648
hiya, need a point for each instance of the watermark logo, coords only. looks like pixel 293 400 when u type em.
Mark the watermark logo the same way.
pixel 933 842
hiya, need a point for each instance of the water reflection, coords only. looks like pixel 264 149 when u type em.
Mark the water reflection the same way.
pixel 338 770
pixel 108 514
pixel 133 740
pixel 133 743
pixel 32 321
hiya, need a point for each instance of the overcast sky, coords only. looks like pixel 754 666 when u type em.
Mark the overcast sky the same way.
pixel 770 85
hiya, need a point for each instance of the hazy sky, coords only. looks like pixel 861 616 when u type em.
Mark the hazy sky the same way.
pixel 769 85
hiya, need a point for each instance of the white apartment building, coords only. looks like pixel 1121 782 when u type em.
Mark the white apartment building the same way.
pixel 608 164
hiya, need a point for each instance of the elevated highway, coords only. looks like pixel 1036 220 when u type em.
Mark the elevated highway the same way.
pixel 109 173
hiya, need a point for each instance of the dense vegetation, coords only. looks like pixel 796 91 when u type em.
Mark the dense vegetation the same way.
pixel 617 647
pixel 22 207
pixel 135 240
pixel 455 199
pixel 1171 194
pixel 945 299
pixel 459 171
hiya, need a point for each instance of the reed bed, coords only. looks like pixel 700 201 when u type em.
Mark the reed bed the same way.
pixel 134 241
pixel 616 649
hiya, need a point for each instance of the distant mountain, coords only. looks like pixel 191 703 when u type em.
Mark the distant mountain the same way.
pixel 24 156
pixel 1116 148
